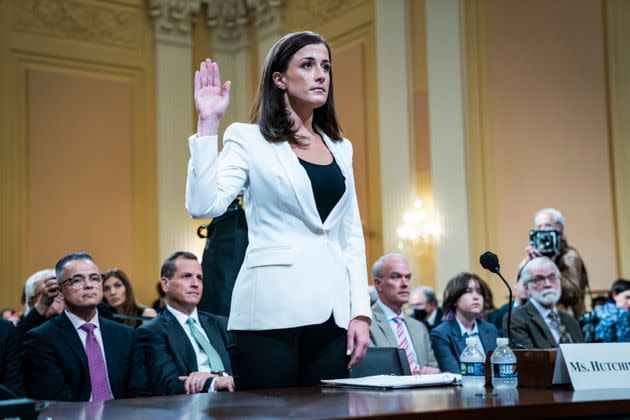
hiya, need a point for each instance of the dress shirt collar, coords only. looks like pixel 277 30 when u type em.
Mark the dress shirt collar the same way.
pixel 463 330
pixel 77 322
pixel 388 312
pixel 182 317
pixel 431 318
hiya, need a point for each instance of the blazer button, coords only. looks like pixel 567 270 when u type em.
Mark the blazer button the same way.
pixel 321 232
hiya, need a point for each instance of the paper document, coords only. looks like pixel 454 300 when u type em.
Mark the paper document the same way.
pixel 395 382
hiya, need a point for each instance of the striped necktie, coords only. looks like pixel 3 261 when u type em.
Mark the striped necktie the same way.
pixel 213 357
pixel 401 337
pixel 565 337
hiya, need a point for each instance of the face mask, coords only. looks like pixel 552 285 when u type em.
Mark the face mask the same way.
pixel 420 314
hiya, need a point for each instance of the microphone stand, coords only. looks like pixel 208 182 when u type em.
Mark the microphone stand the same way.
pixel 509 314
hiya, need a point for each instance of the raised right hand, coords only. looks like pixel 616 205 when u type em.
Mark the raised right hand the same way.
pixel 211 99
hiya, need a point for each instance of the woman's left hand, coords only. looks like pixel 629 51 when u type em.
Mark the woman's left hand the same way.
pixel 358 339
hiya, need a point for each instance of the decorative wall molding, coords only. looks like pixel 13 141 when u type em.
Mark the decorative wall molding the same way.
pixel 172 19
pixel 73 19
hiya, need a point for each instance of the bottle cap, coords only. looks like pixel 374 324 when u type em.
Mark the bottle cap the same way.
pixel 502 341
pixel 472 341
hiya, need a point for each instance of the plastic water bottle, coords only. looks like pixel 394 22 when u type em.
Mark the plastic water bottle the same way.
pixel 504 373
pixel 472 365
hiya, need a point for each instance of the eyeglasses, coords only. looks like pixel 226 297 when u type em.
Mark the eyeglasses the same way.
pixel 538 280
pixel 78 282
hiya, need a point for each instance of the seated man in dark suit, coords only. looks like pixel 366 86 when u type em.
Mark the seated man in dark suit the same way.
pixel 185 349
pixel 520 298
pixel 425 307
pixel 538 324
pixel 390 326
pixel 10 372
pixel 79 355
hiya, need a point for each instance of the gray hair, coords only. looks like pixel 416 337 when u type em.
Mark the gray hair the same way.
pixel 377 268
pixel 428 292
pixel 31 282
pixel 536 263
pixel 555 215
pixel 73 256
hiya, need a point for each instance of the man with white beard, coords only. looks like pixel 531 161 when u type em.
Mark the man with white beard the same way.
pixel 538 324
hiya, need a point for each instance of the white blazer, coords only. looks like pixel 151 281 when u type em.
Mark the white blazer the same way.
pixel 297 270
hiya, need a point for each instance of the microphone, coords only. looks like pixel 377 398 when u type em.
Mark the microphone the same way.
pixel 490 262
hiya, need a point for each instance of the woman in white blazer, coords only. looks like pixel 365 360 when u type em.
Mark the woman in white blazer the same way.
pixel 300 309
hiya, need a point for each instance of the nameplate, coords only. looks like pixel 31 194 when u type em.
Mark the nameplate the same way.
pixel 593 366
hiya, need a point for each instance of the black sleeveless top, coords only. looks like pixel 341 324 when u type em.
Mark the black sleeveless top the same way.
pixel 328 185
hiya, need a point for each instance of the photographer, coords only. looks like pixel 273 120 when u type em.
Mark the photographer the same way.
pixel 548 240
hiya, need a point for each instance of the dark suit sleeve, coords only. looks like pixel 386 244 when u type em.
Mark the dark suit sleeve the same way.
pixel 443 350
pixel 520 329
pixel 32 320
pixel 137 385
pixel 160 366
pixel 10 365
pixel 43 378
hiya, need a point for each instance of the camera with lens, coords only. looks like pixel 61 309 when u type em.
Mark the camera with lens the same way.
pixel 546 242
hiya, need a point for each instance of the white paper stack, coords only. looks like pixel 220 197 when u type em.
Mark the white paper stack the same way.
pixel 395 382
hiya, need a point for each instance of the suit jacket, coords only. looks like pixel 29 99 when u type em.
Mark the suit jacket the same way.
pixel 438 320
pixel 169 353
pixel 497 316
pixel 56 367
pixel 448 342
pixel 297 269
pixel 381 335
pixel 222 259
pixel 530 330
pixel 10 365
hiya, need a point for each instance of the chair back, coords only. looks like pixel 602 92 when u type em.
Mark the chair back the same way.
pixel 382 361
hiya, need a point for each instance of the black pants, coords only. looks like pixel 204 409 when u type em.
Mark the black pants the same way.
pixel 289 357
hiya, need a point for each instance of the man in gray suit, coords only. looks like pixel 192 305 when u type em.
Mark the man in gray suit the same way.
pixel 390 327
pixel 538 324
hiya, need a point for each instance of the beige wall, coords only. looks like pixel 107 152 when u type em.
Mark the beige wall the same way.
pixel 545 138
pixel 79 179
pixel 77 139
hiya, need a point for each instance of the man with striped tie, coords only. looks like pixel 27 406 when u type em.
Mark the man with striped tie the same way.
pixel 390 327
pixel 79 355
pixel 185 349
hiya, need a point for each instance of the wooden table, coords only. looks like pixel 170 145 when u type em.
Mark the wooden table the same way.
pixel 316 403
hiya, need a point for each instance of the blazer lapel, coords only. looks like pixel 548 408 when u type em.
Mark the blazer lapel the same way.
pixel 383 324
pixel 458 339
pixel 214 335
pixel 71 337
pixel 300 182
pixel 542 325
pixel 178 337
pixel 111 350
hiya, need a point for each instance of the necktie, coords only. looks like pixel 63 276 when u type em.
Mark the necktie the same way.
pixel 401 337
pixel 560 327
pixel 96 365
pixel 213 357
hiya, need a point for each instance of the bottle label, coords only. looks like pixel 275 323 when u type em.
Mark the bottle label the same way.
pixel 504 370
pixel 472 368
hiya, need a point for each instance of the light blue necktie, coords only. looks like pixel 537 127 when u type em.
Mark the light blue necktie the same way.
pixel 213 357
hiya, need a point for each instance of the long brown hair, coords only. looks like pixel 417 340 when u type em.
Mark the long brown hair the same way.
pixel 270 111
pixel 129 305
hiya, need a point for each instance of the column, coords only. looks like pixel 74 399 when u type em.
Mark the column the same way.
pixel 446 123
pixel 393 84
pixel 174 98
